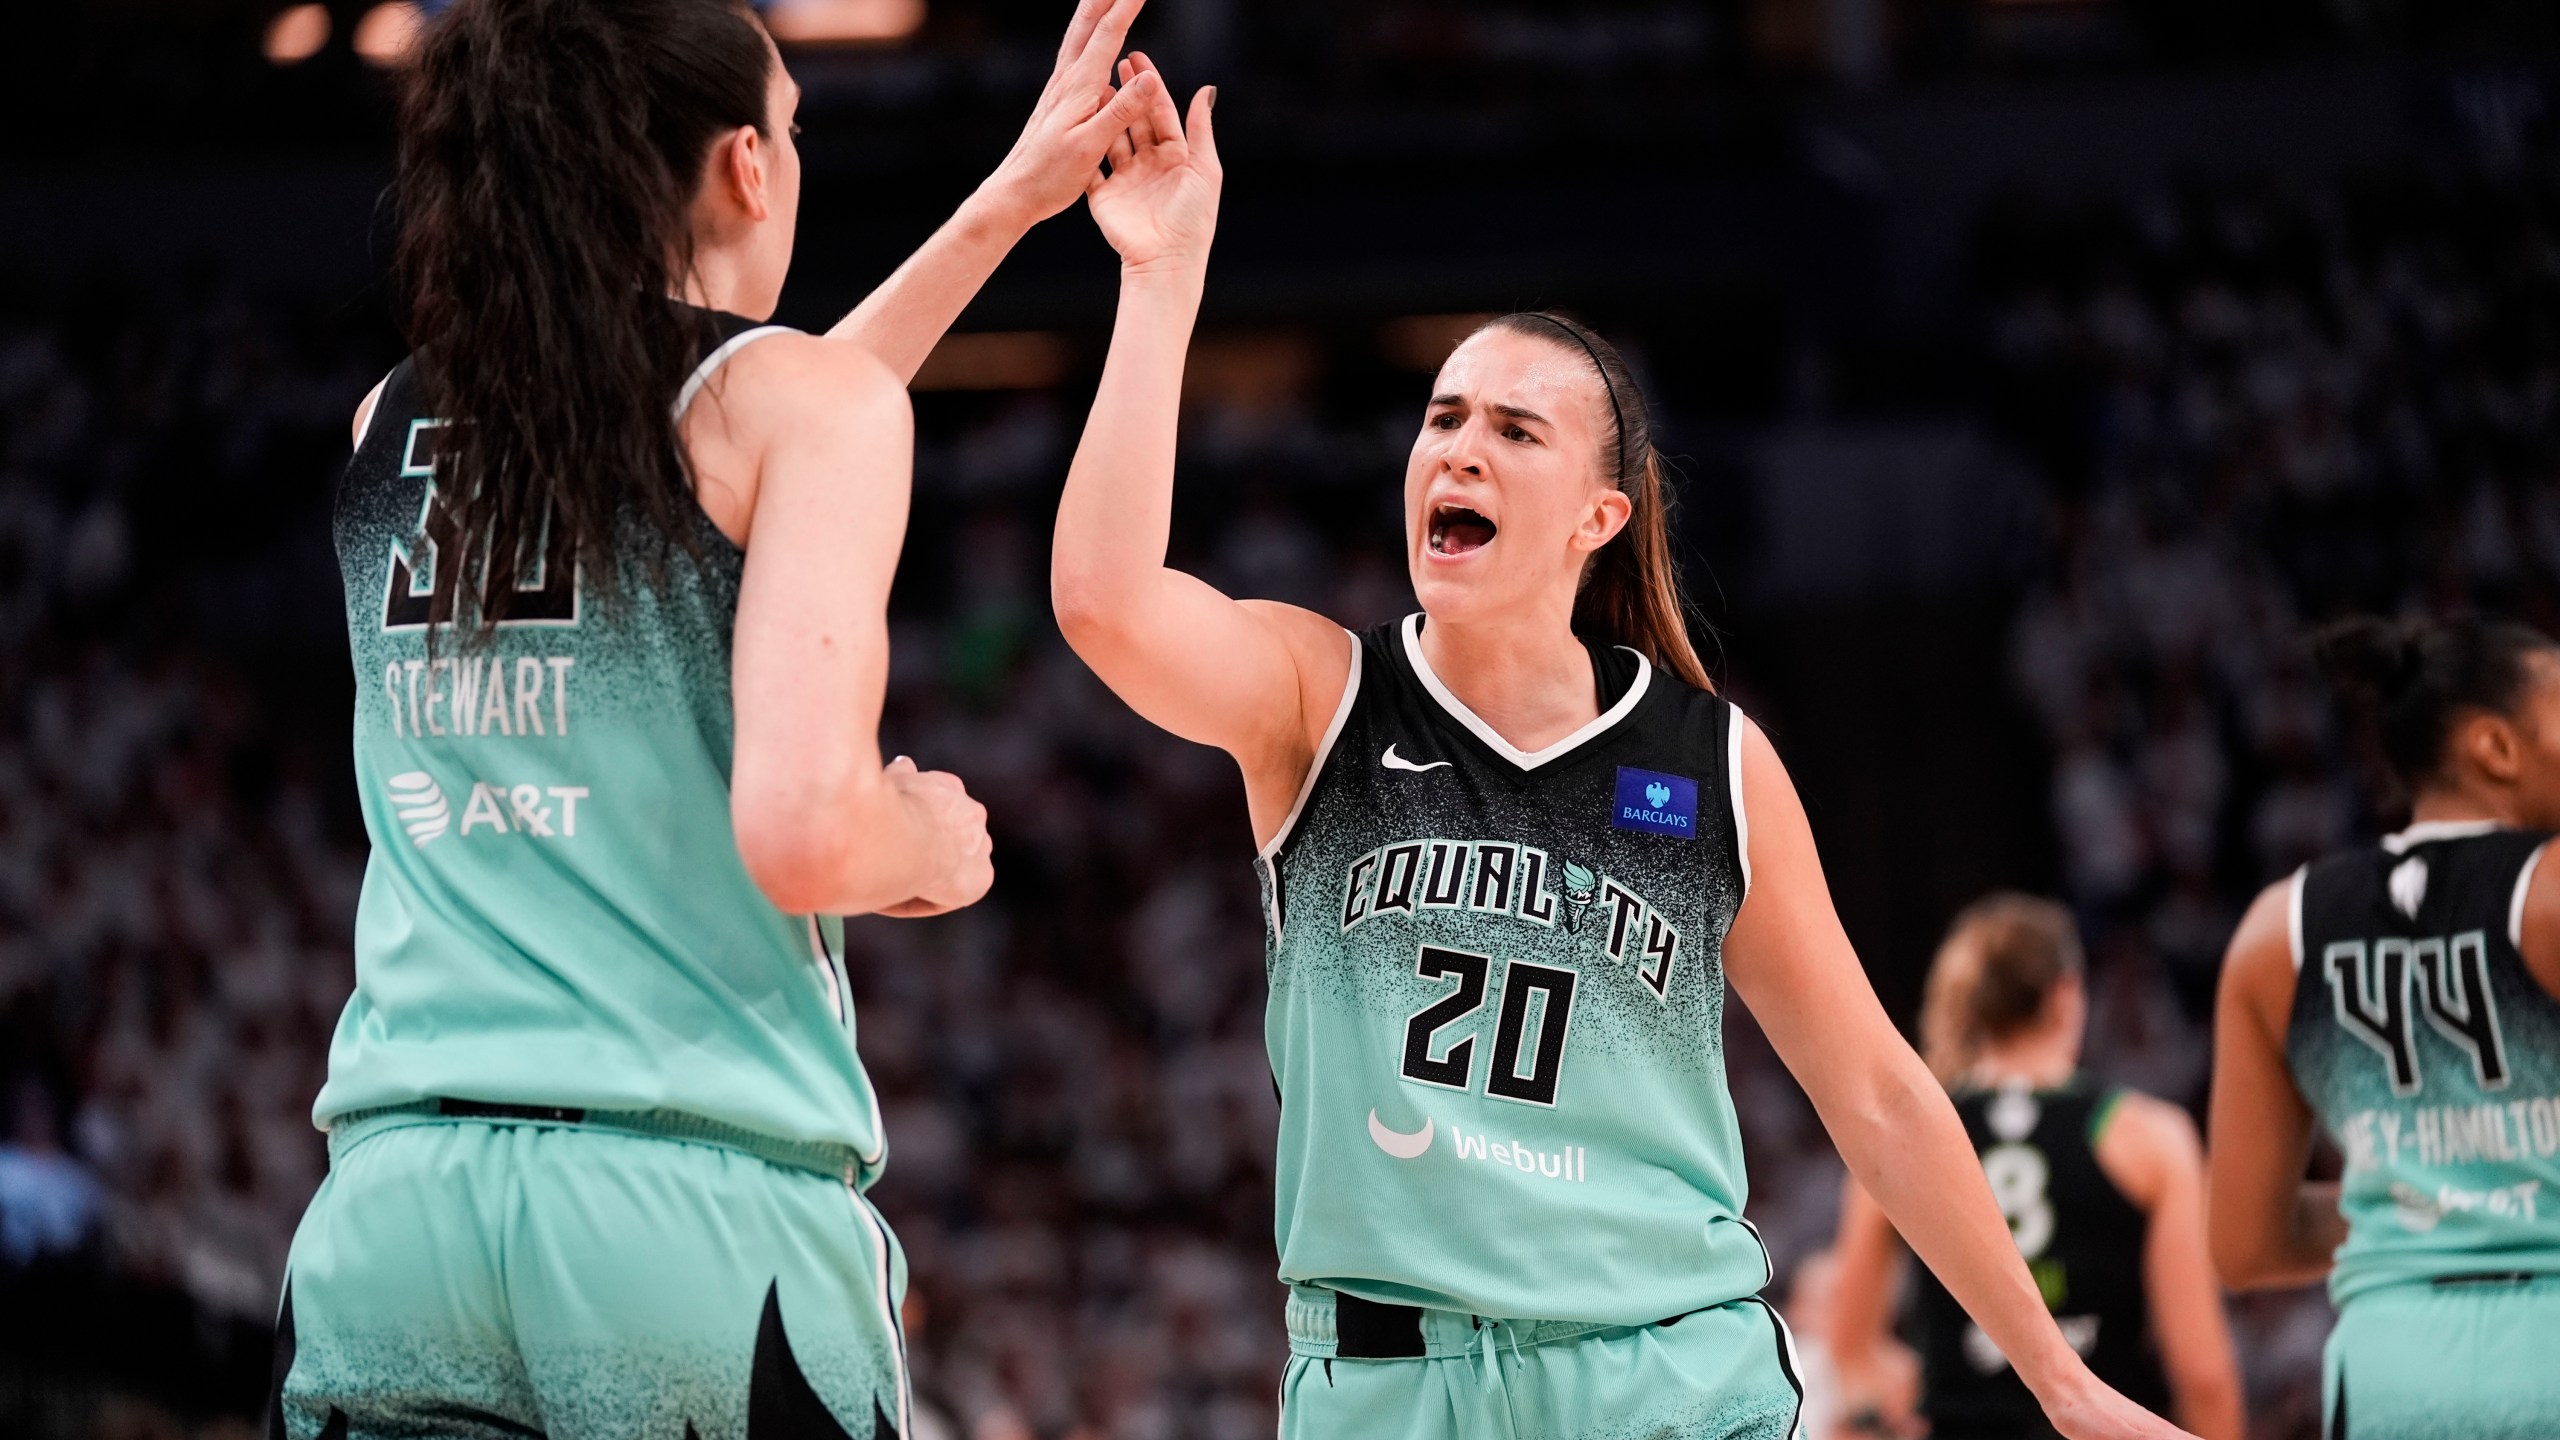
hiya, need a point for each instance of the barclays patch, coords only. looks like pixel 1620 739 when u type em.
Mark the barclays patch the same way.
pixel 1655 803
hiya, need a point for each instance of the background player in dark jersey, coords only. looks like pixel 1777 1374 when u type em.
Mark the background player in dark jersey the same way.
pixel 616 562
pixel 1532 776
pixel 2406 996
pixel 2103 1189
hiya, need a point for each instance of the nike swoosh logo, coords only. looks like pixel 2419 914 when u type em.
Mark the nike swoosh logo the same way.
pixel 1394 761
pixel 1398 1144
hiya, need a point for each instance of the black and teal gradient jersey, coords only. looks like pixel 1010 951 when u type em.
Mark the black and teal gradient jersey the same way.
pixel 2431 1053
pixel 1497 996
pixel 555 912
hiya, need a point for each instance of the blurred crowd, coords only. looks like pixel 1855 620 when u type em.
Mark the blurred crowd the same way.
pixel 2252 409
pixel 2256 409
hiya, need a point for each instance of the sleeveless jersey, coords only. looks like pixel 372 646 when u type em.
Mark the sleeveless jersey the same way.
pixel 1497 995
pixel 2431 1053
pixel 2083 1242
pixel 555 912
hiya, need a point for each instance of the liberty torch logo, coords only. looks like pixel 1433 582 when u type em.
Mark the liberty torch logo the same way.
pixel 423 811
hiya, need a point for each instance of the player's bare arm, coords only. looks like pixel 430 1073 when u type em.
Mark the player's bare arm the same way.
pixel 1278 671
pixel 2270 1227
pixel 1793 965
pixel 2151 1151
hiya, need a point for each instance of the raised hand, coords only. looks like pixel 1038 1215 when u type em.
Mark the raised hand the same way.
pixel 1078 117
pixel 1159 203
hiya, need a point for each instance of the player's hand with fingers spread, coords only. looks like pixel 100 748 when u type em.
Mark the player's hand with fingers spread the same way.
pixel 958 825
pixel 1078 117
pixel 1159 205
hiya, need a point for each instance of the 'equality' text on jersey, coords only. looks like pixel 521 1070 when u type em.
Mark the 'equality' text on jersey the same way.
pixel 1504 877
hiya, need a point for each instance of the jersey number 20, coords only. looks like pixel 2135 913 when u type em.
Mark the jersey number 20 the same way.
pixel 1524 986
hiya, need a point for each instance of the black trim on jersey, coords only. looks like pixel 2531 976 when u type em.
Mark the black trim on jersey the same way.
pixel 1786 1362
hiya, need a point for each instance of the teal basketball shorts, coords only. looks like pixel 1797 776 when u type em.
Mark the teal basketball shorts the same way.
pixel 467 1278
pixel 1724 1373
pixel 2473 1359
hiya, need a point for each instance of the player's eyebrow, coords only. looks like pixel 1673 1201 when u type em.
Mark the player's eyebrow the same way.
pixel 1508 412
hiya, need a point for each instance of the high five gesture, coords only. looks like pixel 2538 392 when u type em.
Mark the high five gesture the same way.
pixel 1159 204
pixel 1079 117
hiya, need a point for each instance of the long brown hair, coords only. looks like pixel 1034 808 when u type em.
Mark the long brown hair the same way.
pixel 2000 962
pixel 1631 593
pixel 549 155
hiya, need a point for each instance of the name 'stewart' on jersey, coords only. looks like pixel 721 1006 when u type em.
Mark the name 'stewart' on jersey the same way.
pixel 541 812
pixel 526 695
pixel 1504 877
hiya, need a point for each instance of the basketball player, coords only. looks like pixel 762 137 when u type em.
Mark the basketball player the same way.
pixel 1511 847
pixel 2103 1189
pixel 616 559
pixel 2403 996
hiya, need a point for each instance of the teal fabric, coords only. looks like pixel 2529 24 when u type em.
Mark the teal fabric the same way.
pixel 1726 1373
pixel 2469 1361
pixel 481 1279
pixel 555 912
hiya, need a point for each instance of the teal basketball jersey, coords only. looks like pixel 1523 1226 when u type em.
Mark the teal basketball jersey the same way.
pixel 555 913
pixel 2431 1054
pixel 1497 996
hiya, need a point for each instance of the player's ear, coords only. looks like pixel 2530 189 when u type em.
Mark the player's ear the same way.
pixel 740 170
pixel 2490 741
pixel 1609 513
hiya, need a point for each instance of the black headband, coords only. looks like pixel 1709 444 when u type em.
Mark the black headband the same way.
pixel 1616 415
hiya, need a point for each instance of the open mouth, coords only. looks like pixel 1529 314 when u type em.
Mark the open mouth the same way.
pixel 1456 530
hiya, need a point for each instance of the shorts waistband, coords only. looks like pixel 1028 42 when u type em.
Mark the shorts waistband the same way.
pixel 1330 1325
pixel 828 1158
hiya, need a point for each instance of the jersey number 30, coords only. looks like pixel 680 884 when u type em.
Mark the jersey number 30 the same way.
pixel 1526 988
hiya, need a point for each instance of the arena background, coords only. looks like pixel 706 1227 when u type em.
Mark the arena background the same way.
pixel 2037 370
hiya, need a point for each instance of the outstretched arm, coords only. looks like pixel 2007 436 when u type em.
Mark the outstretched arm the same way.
pixel 1061 147
pixel 1793 965
pixel 2269 1227
pixel 1866 1257
pixel 1256 679
pixel 2150 1152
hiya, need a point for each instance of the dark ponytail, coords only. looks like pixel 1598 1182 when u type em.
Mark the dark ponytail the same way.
pixel 1631 595
pixel 2410 680
pixel 549 155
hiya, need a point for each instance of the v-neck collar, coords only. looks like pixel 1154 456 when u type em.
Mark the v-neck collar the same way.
pixel 1476 726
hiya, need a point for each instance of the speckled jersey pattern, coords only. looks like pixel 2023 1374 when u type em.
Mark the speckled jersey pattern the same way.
pixel 2432 1056
pixel 556 927
pixel 554 912
pixel 1496 1001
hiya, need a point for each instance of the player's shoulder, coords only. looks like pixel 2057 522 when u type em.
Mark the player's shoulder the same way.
pixel 2145 1144
pixel 2269 932
pixel 789 378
